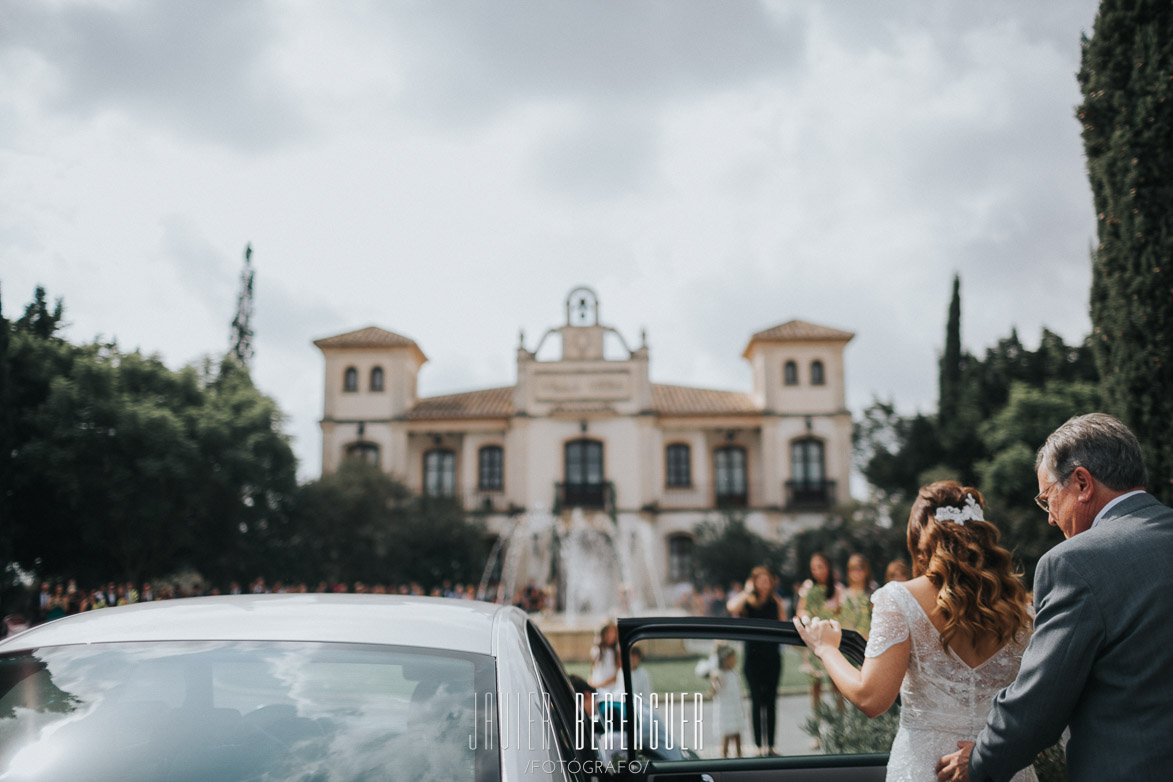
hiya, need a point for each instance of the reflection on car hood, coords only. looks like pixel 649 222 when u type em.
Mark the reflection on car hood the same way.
pixel 459 625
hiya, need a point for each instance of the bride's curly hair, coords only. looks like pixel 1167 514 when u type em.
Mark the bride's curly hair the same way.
pixel 978 590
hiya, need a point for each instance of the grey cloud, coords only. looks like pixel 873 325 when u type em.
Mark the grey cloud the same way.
pixel 868 24
pixel 467 63
pixel 480 58
pixel 196 67
pixel 291 318
pixel 600 157
pixel 201 267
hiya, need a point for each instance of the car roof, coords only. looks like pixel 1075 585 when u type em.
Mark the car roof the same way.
pixel 437 623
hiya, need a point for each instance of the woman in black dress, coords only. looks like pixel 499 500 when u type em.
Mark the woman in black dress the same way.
pixel 763 664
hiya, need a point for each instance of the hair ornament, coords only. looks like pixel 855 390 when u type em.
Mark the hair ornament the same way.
pixel 971 512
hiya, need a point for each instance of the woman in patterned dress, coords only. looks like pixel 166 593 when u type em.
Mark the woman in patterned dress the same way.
pixel 818 598
pixel 855 610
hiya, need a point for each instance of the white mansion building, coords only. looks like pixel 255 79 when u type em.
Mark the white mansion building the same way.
pixel 592 432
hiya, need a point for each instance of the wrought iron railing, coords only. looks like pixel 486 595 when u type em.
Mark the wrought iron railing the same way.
pixel 698 495
pixel 810 494
pixel 599 496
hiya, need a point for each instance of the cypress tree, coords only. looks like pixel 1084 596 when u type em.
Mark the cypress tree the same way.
pixel 949 382
pixel 241 341
pixel 1126 77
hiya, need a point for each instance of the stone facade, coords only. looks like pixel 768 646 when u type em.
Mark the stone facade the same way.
pixel 589 430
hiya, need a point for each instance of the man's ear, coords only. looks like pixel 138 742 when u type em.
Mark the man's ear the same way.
pixel 1084 482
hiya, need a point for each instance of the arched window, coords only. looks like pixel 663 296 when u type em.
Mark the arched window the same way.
pixel 817 377
pixel 680 549
pixel 491 468
pixel 440 473
pixel 350 379
pixel 678 467
pixel 806 459
pixel 790 373
pixel 377 379
pixel 584 485
pixel 367 452
pixel 729 470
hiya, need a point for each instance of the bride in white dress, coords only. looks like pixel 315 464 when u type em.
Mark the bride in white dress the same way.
pixel 947 641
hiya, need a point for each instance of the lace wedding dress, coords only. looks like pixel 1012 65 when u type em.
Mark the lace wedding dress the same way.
pixel 942 700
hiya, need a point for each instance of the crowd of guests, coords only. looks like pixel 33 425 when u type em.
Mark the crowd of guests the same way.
pixel 713 600
pixel 56 599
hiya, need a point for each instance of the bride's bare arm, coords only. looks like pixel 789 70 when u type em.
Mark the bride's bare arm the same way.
pixel 873 688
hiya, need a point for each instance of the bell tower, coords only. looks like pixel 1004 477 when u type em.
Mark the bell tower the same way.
pixel 582 336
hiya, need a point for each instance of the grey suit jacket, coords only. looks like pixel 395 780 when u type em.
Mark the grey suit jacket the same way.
pixel 1101 658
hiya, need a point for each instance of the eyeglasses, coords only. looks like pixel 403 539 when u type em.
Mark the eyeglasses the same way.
pixel 1042 500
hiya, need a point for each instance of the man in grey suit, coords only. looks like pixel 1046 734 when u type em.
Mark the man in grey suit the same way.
pixel 1101 658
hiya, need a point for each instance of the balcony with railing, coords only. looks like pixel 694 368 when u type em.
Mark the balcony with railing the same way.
pixel 809 495
pixel 591 496
pixel 707 496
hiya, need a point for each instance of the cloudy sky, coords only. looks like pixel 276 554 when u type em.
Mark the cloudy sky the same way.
pixel 450 170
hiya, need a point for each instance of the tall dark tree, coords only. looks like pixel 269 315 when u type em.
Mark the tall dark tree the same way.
pixel 949 382
pixel 241 342
pixel 1126 76
pixel 7 446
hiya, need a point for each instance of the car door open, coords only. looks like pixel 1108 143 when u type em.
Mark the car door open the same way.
pixel 697 701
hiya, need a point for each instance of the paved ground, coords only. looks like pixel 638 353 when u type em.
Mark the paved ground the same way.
pixel 793 711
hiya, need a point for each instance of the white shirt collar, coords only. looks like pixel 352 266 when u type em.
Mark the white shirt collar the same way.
pixel 1113 502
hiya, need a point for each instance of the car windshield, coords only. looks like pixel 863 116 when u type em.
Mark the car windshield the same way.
pixel 244 711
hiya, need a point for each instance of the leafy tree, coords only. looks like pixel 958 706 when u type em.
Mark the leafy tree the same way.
pixel 726 551
pixel 1007 477
pixel 1126 77
pixel 433 542
pixel 359 524
pixel 109 475
pixel 894 451
pixel 32 357
pixel 115 466
pixel 342 522
pixel 247 474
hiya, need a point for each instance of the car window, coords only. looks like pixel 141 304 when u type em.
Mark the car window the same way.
pixel 244 711
pixel 721 695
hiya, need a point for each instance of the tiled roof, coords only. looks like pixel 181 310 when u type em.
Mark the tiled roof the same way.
pixel 666 400
pixel 801 331
pixel 489 403
pixel 370 337
pixel 685 400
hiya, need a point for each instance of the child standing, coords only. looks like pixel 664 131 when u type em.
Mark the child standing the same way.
pixel 726 694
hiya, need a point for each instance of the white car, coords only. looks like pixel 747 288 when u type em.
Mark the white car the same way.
pixel 277 687
pixel 320 687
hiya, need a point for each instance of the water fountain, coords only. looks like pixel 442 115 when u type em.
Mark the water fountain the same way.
pixel 596 565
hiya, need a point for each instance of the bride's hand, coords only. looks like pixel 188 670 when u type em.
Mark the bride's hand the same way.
pixel 820 635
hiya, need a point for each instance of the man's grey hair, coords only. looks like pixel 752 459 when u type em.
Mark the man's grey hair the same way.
pixel 1100 444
